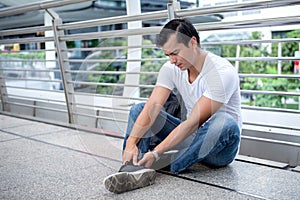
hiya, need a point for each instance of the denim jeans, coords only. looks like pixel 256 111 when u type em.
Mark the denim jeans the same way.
pixel 215 143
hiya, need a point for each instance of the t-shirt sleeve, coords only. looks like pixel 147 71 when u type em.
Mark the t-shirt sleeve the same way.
pixel 221 85
pixel 166 77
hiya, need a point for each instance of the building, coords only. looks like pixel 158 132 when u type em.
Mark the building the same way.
pixel 256 14
pixel 84 11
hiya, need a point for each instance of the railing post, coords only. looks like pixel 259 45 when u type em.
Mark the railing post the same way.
pixel 63 65
pixel 279 54
pixel 173 6
pixel 237 55
pixel 133 8
pixel 50 55
pixel 3 92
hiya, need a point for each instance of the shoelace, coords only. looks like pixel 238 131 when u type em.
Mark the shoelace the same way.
pixel 129 167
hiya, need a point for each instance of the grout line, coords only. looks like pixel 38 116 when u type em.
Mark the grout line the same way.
pixel 60 146
pixel 209 184
pixel 262 162
pixel 29 136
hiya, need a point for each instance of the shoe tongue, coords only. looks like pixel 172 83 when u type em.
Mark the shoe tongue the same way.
pixel 129 167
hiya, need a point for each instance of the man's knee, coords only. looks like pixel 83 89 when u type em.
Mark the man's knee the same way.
pixel 137 107
pixel 227 121
pixel 216 162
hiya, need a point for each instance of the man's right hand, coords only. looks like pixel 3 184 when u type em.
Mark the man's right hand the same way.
pixel 131 152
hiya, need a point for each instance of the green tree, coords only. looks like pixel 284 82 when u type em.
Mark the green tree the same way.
pixel 150 66
pixel 288 50
pixel 249 50
pixel 264 67
pixel 146 66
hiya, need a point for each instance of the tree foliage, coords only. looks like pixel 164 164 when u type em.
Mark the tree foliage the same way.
pixel 266 67
pixel 146 66
pixel 228 50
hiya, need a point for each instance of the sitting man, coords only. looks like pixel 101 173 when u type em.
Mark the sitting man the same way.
pixel 210 134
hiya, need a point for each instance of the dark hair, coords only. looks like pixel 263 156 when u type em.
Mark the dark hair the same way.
pixel 183 29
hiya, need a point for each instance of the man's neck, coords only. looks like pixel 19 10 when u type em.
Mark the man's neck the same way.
pixel 196 69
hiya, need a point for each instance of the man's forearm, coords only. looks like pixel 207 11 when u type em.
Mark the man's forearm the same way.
pixel 144 122
pixel 202 111
pixel 179 134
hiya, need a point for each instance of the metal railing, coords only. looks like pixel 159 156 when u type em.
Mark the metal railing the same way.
pixel 79 95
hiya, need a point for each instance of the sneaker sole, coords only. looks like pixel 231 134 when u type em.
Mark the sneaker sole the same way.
pixel 126 181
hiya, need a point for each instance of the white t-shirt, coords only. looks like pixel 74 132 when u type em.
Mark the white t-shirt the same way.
pixel 218 81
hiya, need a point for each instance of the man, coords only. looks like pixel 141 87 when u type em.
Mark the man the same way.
pixel 209 86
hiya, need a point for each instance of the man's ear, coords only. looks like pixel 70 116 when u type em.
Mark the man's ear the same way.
pixel 194 41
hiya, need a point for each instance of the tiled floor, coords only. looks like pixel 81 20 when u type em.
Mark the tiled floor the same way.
pixel 42 161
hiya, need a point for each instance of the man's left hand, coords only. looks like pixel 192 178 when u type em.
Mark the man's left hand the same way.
pixel 147 160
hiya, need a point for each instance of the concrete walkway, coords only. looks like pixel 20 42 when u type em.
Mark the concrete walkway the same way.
pixel 42 161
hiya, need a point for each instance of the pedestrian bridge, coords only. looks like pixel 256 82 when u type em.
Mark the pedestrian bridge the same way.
pixel 63 116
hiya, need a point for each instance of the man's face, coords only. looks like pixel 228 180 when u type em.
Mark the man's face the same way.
pixel 179 54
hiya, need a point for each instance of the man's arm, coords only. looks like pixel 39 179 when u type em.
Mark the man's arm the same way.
pixel 202 111
pixel 144 121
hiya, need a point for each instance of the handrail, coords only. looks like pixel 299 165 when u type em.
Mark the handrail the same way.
pixel 36 6
pixel 261 58
pixel 243 42
pixel 114 20
pixel 248 23
pixel 110 72
pixel 37 98
pixel 270 76
pixel 236 7
pixel 270 92
pixel 115 60
pixel 274 126
pixel 109 48
pixel 112 34
pixel 33 79
pixel 29 70
pixel 26 40
pixel 113 84
pixel 27 60
pixel 112 96
pixel 270 109
pixel 30 88
pixel 25 30
pixel 34 106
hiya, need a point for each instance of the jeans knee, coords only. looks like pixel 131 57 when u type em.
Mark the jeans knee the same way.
pixel 228 122
pixel 135 110
pixel 223 116
pixel 137 107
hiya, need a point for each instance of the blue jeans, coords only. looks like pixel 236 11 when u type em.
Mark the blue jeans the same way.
pixel 215 143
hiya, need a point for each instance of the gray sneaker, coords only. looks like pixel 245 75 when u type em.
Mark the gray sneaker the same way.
pixel 129 177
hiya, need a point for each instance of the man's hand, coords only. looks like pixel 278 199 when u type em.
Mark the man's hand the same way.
pixel 147 160
pixel 131 152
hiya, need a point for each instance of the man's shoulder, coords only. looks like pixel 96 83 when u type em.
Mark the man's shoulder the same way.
pixel 217 59
pixel 169 68
pixel 215 63
pixel 168 64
